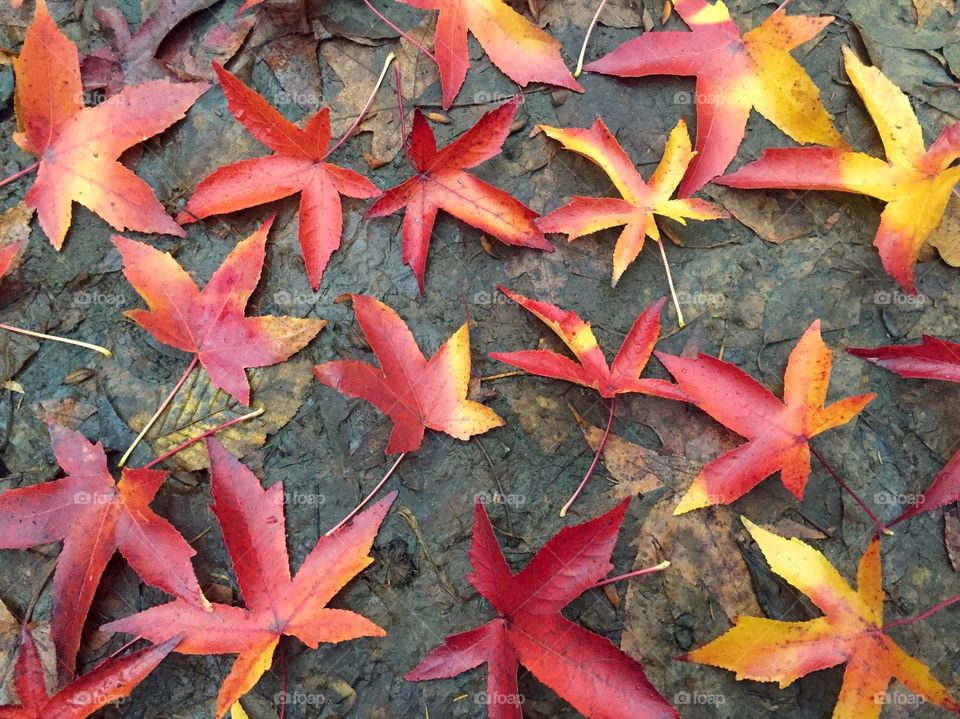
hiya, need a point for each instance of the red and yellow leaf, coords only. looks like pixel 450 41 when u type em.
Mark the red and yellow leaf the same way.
pixel 778 432
pixel 914 182
pixel 583 668
pixel 591 369
pixel 94 517
pixel 109 681
pixel 523 51
pixel 443 183
pixel 277 604
pixel 851 632
pixel 211 323
pixel 78 146
pixel 933 358
pixel 415 393
pixel 297 166
pixel 734 75
pixel 641 201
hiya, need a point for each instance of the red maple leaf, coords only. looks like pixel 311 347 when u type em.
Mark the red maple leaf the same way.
pixel 78 146
pixel 591 369
pixel 778 433
pixel 277 605
pixel 443 183
pixel 734 74
pixel 584 668
pixel 211 323
pixel 413 392
pixel 94 516
pixel 523 51
pixel 933 358
pixel 109 681
pixel 298 165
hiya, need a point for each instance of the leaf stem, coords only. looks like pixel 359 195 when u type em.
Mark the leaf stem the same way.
pixel 202 436
pixel 673 290
pixel 920 617
pixel 845 487
pixel 283 679
pixel 369 496
pixel 65 340
pixel 366 108
pixel 17 175
pixel 406 35
pixel 630 575
pixel 160 410
pixel 596 458
pixel 586 39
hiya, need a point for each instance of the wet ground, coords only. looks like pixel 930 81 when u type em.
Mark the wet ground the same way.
pixel 747 296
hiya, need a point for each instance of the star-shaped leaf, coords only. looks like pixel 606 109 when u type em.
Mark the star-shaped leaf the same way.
pixel 298 166
pixel 641 201
pixel 443 183
pixel 277 604
pixel 778 432
pixel 78 146
pixel 415 393
pixel 734 75
pixel 915 183
pixel 211 323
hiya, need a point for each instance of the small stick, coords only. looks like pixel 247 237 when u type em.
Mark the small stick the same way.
pixel 17 175
pixel 407 36
pixel 369 496
pixel 203 435
pixel 586 39
pixel 673 290
pixel 630 575
pixel 65 340
pixel 503 375
pixel 283 680
pixel 843 485
pixel 366 108
pixel 919 618
pixel 596 458
pixel 160 410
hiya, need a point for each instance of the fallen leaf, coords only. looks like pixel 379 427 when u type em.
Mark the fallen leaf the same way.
pixel 778 433
pixel 211 323
pixel 413 392
pixel 771 219
pixel 944 490
pixel 851 632
pixel 94 517
pixel 641 201
pixel 521 50
pixel 297 166
pixel 915 183
pixel 946 238
pixel 277 604
pixel 583 668
pixel 78 146
pixel 933 358
pixel 925 8
pixel 11 632
pixel 443 183
pixel 106 683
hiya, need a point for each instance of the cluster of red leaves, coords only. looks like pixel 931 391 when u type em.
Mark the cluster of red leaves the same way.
pixel 95 516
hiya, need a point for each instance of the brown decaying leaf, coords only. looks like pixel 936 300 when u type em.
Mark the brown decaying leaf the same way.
pixel 946 238
pixel 9 643
pixel 951 536
pixel 774 219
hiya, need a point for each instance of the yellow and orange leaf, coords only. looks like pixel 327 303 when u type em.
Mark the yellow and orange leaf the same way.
pixel 851 632
pixel 914 182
